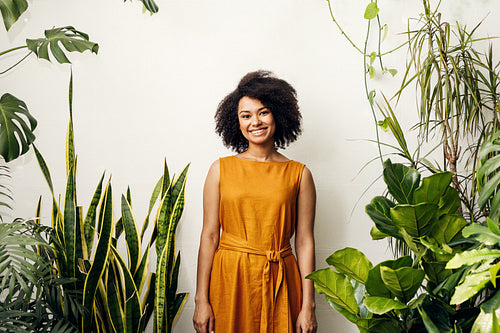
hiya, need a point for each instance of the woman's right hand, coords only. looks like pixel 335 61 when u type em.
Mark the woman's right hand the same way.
pixel 203 319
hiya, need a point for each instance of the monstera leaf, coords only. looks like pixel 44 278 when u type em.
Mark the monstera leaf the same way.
pixel 70 38
pixel 16 127
pixel 11 10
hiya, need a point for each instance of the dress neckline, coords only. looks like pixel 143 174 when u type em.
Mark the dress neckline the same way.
pixel 269 162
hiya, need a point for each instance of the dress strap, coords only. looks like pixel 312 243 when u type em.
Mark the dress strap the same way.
pixel 272 303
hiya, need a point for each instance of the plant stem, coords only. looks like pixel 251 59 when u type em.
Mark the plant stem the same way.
pixel 17 63
pixel 13 49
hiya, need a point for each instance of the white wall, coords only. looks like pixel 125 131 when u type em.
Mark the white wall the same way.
pixel 152 90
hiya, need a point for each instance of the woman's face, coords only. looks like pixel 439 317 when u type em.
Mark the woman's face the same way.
pixel 256 121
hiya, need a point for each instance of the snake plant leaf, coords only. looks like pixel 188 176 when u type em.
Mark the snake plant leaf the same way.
pixel 402 282
pixel 433 188
pixel 89 224
pixel 487 320
pixel 131 235
pixel 160 292
pixel 482 234
pixel 381 305
pixel 448 228
pixel 379 211
pixel 112 296
pixel 472 284
pixel 472 257
pixel 351 262
pixel 148 304
pixel 401 181
pixel 337 287
pixel 12 10
pixel 16 127
pixel 417 220
pixel 71 39
pixel 129 290
pixel 141 273
pixel 102 251
pixel 70 221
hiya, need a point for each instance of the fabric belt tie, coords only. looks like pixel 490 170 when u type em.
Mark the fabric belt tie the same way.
pixel 271 303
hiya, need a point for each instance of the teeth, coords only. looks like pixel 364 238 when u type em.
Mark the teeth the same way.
pixel 257 131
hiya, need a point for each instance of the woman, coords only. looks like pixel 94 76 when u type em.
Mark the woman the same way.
pixel 248 278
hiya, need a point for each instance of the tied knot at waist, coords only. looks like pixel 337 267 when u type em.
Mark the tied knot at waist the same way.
pixel 274 295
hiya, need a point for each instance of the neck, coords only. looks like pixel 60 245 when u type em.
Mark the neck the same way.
pixel 260 153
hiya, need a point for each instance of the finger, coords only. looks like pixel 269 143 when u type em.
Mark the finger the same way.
pixel 211 325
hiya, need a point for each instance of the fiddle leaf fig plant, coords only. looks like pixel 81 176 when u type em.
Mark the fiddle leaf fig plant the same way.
pixel 409 293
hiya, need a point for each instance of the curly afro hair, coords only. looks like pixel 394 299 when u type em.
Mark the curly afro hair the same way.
pixel 275 94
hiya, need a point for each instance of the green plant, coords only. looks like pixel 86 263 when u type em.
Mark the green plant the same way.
pixel 103 292
pixel 384 297
pixel 12 9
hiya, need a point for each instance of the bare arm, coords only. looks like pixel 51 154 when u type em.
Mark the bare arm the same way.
pixel 203 318
pixel 304 248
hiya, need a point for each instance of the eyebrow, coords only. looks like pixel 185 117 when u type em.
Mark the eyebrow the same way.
pixel 262 108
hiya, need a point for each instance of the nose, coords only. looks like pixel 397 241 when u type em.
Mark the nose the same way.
pixel 256 120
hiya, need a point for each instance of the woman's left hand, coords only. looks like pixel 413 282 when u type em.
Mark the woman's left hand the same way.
pixel 306 321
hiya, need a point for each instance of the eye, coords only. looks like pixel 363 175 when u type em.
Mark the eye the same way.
pixel 245 116
pixel 265 112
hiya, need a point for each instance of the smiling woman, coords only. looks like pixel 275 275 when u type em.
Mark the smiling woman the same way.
pixel 248 278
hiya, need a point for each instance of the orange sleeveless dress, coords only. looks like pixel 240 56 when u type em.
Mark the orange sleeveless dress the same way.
pixel 255 282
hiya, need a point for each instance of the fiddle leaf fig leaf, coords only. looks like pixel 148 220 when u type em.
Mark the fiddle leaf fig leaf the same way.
pixel 379 211
pixel 381 305
pixel 351 262
pixel 16 127
pixel 12 10
pixel 432 188
pixel 416 220
pixel 371 11
pixel 401 181
pixel 336 287
pixel 447 228
pixel 402 282
pixel 70 38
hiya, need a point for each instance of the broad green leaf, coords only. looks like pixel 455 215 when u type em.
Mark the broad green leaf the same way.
pixel 447 228
pixel 336 287
pixel 70 38
pixel 401 181
pixel 16 127
pixel 436 271
pixel 449 202
pixel 371 11
pixel 381 305
pixel 375 286
pixel 472 284
pixel 487 321
pixel 379 211
pixel 430 325
pixel 481 233
pixel 432 188
pixel 351 262
pixel 353 318
pixel 402 282
pixel 12 10
pixel 472 257
pixel 417 220
pixel 377 234
pixel 494 274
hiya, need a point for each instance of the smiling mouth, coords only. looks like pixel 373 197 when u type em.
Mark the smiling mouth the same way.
pixel 258 131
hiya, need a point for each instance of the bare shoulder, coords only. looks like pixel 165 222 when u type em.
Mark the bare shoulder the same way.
pixel 307 181
pixel 214 171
